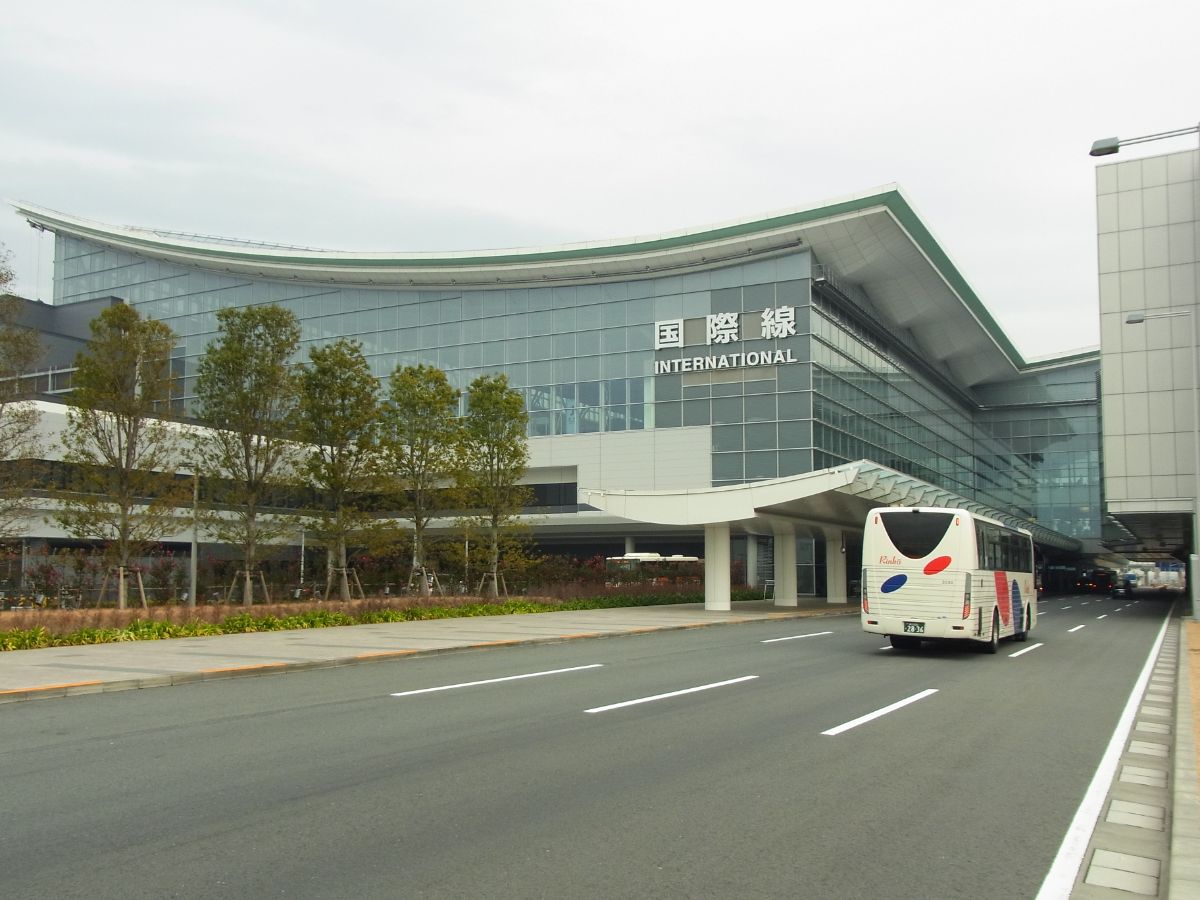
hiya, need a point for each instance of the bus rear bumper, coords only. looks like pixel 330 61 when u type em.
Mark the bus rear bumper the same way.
pixel 921 629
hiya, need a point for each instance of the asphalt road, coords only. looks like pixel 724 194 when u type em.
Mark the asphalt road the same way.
pixel 740 773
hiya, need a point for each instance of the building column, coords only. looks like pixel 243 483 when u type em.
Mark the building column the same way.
pixel 785 565
pixel 629 545
pixel 751 560
pixel 835 565
pixel 716 566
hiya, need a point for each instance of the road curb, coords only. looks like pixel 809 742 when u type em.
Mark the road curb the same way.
pixel 1184 873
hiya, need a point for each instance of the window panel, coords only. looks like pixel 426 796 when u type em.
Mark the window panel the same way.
pixel 696 412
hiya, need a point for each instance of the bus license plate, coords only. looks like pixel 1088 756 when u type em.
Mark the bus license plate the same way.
pixel 914 627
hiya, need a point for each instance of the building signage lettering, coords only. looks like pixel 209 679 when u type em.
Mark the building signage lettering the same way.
pixel 723 328
pixel 724 361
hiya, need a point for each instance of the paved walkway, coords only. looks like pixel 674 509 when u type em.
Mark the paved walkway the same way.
pixel 62 671
pixel 59 671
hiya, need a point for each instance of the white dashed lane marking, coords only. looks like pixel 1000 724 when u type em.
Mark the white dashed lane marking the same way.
pixel 466 684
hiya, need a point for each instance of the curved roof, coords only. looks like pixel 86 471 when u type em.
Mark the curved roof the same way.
pixel 874 240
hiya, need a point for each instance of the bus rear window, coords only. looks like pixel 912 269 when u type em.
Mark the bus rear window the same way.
pixel 915 534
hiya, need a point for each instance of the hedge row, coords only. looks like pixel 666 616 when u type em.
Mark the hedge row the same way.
pixel 241 623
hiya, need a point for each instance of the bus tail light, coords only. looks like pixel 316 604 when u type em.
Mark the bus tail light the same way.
pixel 862 590
pixel 966 610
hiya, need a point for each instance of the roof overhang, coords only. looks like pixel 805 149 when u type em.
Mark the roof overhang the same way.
pixel 838 497
pixel 1151 529
pixel 874 240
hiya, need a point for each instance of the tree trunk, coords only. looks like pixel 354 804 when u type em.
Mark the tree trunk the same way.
pixel 344 575
pixel 493 590
pixel 419 564
pixel 248 587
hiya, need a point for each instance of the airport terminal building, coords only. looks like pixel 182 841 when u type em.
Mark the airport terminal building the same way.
pixel 743 391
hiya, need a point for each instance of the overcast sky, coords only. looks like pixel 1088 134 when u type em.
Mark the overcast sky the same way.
pixel 367 125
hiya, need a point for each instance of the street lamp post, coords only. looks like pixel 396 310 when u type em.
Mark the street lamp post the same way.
pixel 1194 561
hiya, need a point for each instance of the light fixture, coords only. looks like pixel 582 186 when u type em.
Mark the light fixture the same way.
pixel 1110 145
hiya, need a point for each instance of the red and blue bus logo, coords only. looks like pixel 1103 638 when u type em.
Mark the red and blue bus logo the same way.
pixel 933 567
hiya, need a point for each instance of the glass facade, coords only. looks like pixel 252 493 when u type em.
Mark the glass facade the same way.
pixel 1049 420
pixel 875 399
pixel 785 373
pixel 583 355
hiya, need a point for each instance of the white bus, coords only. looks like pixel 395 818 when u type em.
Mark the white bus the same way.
pixel 946 574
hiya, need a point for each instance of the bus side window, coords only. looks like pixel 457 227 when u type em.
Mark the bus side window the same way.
pixel 981 542
pixel 1008 546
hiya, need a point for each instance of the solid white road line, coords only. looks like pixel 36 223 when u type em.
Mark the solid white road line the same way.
pixel 862 720
pixel 1061 877
pixel 1026 650
pixel 451 687
pixel 795 637
pixel 692 690
pixel 1076 628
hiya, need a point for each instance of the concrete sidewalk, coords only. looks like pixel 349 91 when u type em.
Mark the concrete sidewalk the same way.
pixel 59 671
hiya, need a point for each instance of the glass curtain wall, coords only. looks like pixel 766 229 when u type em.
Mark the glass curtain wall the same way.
pixel 872 399
pixel 1051 418
pixel 583 355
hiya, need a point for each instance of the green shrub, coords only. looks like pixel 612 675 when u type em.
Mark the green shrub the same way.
pixel 90 636
pixel 317 618
pixel 151 630
pixel 25 639
pixel 376 616
pixel 196 628
pixel 239 624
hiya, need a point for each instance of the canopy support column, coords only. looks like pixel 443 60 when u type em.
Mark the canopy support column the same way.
pixel 716 566
pixel 751 560
pixel 785 564
pixel 835 565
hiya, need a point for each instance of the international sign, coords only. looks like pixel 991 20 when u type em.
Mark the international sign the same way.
pixel 720 329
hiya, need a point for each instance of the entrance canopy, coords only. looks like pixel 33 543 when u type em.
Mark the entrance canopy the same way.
pixel 838 497
pixel 823 503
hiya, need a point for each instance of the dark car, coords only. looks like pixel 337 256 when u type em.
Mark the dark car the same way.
pixel 1097 582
